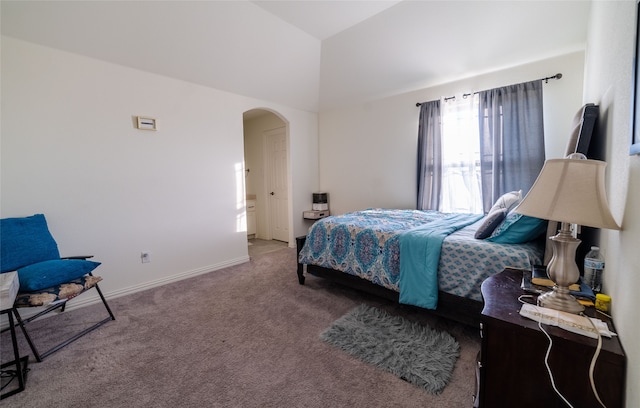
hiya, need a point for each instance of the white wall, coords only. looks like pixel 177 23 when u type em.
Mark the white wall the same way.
pixel 368 151
pixel 234 46
pixel 608 79
pixel 70 151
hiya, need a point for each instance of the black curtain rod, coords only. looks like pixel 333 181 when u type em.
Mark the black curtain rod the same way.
pixel 546 80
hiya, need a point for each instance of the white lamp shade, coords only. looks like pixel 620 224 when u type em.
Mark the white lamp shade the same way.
pixel 572 191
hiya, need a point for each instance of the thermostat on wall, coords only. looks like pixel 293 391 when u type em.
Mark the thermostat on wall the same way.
pixel 146 123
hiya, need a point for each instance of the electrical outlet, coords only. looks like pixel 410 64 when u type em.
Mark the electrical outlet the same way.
pixel 145 257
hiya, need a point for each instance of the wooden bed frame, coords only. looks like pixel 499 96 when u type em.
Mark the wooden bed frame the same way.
pixel 459 309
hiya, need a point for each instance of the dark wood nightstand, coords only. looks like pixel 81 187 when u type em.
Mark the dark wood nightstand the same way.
pixel 511 366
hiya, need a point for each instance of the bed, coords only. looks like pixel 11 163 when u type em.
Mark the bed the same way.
pixel 368 250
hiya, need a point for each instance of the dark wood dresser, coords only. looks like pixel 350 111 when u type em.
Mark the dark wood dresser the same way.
pixel 511 368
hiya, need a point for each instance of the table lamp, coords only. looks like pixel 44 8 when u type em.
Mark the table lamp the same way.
pixel 570 191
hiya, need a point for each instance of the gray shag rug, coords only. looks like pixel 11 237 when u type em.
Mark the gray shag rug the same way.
pixel 418 354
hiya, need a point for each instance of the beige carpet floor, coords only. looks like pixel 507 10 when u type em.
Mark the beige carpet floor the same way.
pixel 245 336
pixel 263 246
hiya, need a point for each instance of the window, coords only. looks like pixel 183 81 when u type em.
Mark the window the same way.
pixel 461 185
pixel 465 165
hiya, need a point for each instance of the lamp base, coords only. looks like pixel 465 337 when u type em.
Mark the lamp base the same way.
pixel 562 269
pixel 560 299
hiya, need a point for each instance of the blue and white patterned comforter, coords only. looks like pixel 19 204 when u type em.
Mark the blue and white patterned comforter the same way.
pixel 366 244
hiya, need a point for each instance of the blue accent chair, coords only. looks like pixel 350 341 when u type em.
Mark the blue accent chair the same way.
pixel 46 280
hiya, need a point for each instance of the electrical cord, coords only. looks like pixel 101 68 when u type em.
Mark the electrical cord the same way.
pixel 546 356
pixel 522 298
pixel 546 363
pixel 603 313
pixel 592 366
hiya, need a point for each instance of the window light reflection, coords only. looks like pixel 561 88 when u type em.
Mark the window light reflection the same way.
pixel 241 217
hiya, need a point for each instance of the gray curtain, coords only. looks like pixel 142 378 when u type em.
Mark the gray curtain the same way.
pixel 511 139
pixel 429 156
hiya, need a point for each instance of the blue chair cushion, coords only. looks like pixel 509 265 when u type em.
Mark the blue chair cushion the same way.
pixel 25 241
pixel 45 274
pixel 65 291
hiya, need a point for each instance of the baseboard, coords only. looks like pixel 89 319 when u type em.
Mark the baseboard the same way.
pixel 92 297
pixel 167 280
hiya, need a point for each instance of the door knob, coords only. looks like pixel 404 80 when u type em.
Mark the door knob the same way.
pixel 272 193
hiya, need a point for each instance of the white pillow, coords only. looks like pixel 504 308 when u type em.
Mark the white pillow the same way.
pixel 507 201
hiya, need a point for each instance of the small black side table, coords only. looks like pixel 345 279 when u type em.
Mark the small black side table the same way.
pixel 21 363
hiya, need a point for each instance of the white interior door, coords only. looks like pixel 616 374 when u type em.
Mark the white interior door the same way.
pixel 277 183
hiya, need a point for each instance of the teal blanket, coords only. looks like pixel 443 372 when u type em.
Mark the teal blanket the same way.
pixel 419 257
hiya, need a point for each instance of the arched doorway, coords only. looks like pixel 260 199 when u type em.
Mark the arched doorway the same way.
pixel 266 156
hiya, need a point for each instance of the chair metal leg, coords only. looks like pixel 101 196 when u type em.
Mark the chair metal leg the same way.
pixel 41 356
pixel 22 323
pixel 104 301
pixel 21 363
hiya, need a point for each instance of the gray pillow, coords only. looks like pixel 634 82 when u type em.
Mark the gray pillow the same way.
pixel 490 222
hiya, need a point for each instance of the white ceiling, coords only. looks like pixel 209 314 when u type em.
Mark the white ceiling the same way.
pixel 309 55
pixel 419 44
pixel 323 19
